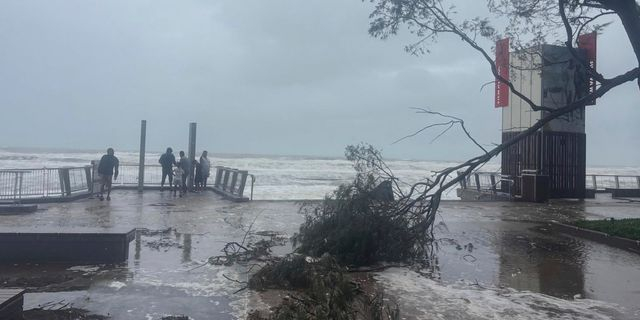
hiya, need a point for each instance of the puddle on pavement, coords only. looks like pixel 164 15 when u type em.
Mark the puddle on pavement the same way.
pixel 164 276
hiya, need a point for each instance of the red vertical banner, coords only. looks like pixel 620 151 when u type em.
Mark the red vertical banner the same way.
pixel 502 63
pixel 589 44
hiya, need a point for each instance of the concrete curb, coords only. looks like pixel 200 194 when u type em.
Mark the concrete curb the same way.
pixel 614 241
pixel 17 208
pixel 44 200
pixel 74 196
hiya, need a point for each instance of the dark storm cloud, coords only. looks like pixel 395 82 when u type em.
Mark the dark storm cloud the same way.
pixel 279 77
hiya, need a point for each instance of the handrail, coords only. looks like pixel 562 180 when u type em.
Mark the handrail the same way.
pixel 230 183
pixel 20 184
pixel 51 183
pixel 34 169
pixel 478 181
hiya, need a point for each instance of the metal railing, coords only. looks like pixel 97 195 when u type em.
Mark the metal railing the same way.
pixel 601 182
pixel 49 183
pixel 487 182
pixel 18 184
pixel 494 182
pixel 128 175
pixel 231 183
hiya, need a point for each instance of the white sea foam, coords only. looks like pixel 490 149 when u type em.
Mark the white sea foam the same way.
pixel 87 269
pixel 423 298
pixel 209 283
pixel 117 285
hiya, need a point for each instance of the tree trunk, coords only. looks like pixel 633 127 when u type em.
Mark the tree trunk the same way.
pixel 629 13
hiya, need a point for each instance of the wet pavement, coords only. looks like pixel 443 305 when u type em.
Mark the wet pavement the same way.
pixel 493 260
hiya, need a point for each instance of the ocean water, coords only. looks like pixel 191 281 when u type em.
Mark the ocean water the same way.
pixel 277 177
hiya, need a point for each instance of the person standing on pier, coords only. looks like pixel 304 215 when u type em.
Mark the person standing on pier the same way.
pixel 167 160
pixel 185 164
pixel 108 170
pixel 205 168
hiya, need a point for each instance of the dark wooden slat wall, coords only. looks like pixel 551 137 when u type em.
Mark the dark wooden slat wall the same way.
pixel 560 155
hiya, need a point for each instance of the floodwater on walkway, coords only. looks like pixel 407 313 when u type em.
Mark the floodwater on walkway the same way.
pixel 491 261
pixel 489 270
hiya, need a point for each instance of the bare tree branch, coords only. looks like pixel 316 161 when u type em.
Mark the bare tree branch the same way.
pixel 457 120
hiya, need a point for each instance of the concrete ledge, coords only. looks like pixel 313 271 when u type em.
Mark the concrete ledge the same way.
pixel 623 193
pixel 65 247
pixel 618 242
pixel 152 188
pixel 73 197
pixel 11 304
pixel 475 195
pixel 17 208
pixel 230 196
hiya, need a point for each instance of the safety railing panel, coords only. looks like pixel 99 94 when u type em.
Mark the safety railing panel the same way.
pixel 128 175
pixel 483 181
pixel 42 182
pixel 62 182
pixel 602 182
pixel 231 183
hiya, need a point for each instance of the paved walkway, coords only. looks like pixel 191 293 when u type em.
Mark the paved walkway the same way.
pixel 165 274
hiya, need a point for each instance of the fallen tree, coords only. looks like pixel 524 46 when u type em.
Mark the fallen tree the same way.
pixel 318 289
pixel 367 221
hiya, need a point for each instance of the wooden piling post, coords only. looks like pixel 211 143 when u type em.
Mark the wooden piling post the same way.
pixel 143 141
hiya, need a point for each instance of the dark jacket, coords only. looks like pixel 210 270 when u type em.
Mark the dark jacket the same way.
pixel 107 165
pixel 185 164
pixel 167 160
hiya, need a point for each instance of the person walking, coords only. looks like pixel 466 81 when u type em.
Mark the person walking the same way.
pixel 108 171
pixel 185 164
pixel 167 160
pixel 205 169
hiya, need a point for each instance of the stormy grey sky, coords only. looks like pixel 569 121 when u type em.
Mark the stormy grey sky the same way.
pixel 268 77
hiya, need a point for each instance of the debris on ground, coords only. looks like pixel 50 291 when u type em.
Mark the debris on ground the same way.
pixel 318 289
pixel 61 314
